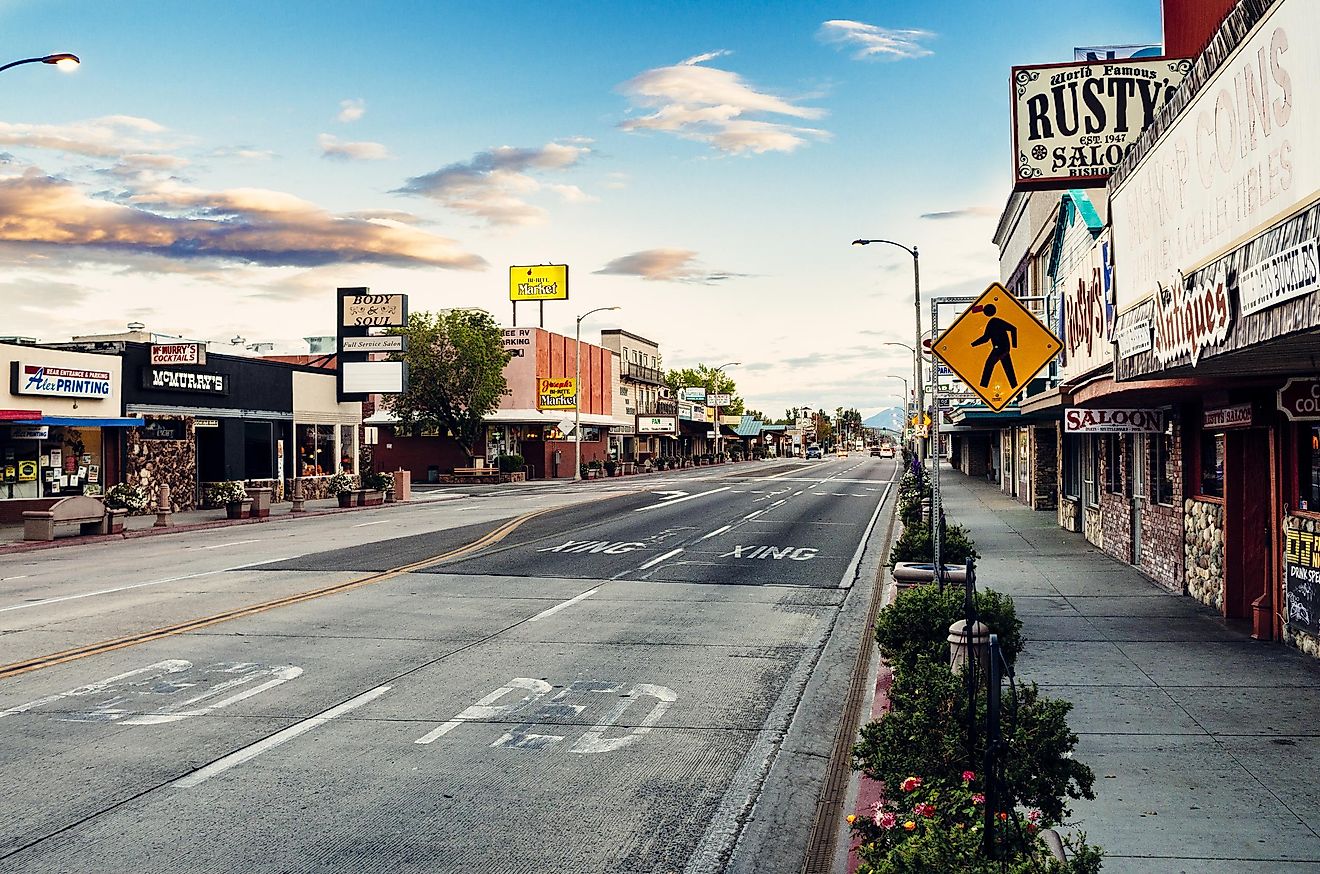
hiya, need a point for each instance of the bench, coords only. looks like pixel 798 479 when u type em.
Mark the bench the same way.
pixel 477 471
pixel 85 511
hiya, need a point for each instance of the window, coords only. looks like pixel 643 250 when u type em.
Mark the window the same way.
pixel 1072 467
pixel 1090 472
pixel 1212 465
pixel 257 450
pixel 316 450
pixel 1308 469
pixel 1114 464
pixel 1161 476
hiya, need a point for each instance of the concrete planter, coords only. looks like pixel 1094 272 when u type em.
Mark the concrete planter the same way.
pixel 114 520
pixel 347 499
pixel 370 497
pixel 910 573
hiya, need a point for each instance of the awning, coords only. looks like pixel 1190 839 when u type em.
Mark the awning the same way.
pixel 74 422
pixel 19 415
pixel 521 417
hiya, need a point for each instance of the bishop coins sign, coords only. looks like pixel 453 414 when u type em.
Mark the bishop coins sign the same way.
pixel 997 346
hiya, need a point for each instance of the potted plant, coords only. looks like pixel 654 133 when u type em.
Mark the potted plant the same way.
pixel 374 488
pixel 511 466
pixel 611 466
pixel 122 500
pixel 341 485
pixel 231 495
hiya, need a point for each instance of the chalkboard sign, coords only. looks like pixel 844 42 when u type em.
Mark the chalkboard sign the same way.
pixel 1301 560
pixel 164 429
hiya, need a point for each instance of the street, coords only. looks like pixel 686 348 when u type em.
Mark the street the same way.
pixel 613 679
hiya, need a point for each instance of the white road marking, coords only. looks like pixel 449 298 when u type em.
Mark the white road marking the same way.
pixel 716 532
pixel 753 515
pixel 63 598
pixel 486 709
pixel 659 558
pixel 235 543
pixel 19 577
pixel 569 603
pixel 681 500
pixel 594 741
pixel 377 522
pixel 776 504
pixel 848 575
pixel 234 759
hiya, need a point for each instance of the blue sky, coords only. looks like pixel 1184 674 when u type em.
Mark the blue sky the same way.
pixel 218 169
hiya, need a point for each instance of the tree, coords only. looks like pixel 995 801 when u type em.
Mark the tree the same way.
pixel 756 414
pixel 714 381
pixel 455 374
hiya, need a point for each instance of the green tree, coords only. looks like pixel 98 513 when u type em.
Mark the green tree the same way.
pixel 455 374
pixel 756 414
pixel 714 381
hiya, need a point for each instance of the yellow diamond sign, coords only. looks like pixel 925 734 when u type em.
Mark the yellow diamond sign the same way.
pixel 997 346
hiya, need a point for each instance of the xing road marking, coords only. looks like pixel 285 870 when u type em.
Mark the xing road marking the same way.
pixel 670 503
pixel 659 558
pixel 219 766
pixel 793 553
pixel 608 547
pixel 569 603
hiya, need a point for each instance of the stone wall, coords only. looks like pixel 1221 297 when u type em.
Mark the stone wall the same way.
pixel 1068 514
pixel 1116 507
pixel 315 488
pixel 1095 532
pixel 1203 551
pixel 153 463
pixel 1291 636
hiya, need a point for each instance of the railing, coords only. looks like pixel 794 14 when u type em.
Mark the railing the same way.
pixel 658 408
pixel 642 373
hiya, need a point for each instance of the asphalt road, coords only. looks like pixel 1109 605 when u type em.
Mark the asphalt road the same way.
pixel 625 678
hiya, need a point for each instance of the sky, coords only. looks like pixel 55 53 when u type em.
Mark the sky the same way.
pixel 216 170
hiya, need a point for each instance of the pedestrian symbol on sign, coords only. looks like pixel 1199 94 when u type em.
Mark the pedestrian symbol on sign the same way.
pixel 997 332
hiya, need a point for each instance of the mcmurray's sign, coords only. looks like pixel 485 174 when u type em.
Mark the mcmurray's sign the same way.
pixel 1077 421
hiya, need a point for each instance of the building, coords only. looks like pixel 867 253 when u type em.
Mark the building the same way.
pixel 646 397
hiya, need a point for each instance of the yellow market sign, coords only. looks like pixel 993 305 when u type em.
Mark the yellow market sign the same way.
pixel 997 346
pixel 556 393
pixel 541 282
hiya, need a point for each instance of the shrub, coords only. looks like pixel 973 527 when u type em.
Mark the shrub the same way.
pixel 917 624
pixel 377 481
pixel 340 483
pixel 510 463
pixel 610 467
pixel 128 496
pixel 231 492
pixel 914 545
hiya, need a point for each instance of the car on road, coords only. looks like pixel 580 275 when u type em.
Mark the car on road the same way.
pixel 814 452
pixel 886 452
pixel 843 453
pixel 877 452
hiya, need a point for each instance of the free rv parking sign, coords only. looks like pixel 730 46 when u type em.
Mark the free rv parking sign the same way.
pixel 997 346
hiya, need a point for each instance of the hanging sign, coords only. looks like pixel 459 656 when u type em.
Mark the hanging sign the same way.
pixel 657 424
pixel 185 354
pixel 1299 399
pixel 1078 421
pixel 1238 416
pixel 362 310
pixel 387 343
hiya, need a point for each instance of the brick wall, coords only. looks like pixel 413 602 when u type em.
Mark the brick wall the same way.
pixel 1045 469
pixel 1162 526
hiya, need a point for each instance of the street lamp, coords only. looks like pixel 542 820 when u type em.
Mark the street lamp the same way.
pixel 906 396
pixel 720 370
pixel 811 423
pixel 577 389
pixel 63 60
pixel 916 305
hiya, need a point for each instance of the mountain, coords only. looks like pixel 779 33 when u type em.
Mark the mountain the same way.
pixel 892 419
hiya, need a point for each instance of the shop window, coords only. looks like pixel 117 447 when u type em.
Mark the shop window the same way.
pixel 1161 476
pixel 348 448
pixel 1072 468
pixel 258 448
pixel 316 450
pixel 1212 465
pixel 1114 464
pixel 1090 472
pixel 1308 470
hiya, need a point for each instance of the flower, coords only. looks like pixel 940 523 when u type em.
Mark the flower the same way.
pixel 910 784
pixel 852 818
pixel 1003 816
pixel 886 819
pixel 1031 827
pixel 909 825
pixel 978 798
pixel 926 810
pixel 968 776
pixel 1033 815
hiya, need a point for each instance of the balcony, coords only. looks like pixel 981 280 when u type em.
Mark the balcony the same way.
pixel 658 408
pixel 642 373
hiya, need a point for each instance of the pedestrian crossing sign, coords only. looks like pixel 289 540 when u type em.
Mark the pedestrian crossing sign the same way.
pixel 997 346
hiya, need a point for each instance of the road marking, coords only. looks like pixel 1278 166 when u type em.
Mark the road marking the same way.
pixel 659 558
pixel 569 603
pixel 63 598
pixel 226 545
pixel 219 766
pixel 485 709
pixel 593 740
pixel 609 547
pixel 377 522
pixel 847 580
pixel 681 500
pixel 19 577
pixel 778 553
pixel 716 532
pixel 776 504
pixel 753 515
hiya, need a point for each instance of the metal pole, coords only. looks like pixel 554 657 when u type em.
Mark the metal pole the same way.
pixel 936 508
pixel 577 403
pixel 916 351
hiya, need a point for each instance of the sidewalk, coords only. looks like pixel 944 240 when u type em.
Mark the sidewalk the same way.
pixel 1205 743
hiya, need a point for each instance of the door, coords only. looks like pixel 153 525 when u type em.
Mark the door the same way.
pixel 1139 495
pixel 1248 535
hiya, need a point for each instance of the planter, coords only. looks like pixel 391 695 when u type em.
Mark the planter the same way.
pixel 389 496
pixel 911 573
pixel 261 498
pixel 347 499
pixel 238 509
pixel 115 520
pixel 370 497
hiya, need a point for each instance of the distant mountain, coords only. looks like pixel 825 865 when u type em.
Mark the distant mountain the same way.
pixel 891 418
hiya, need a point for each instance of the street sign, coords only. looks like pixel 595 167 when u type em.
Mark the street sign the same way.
pixel 997 346
pixel 925 420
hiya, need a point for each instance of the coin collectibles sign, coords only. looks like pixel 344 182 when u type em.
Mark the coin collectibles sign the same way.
pixel 1299 399
pixel 1073 123
pixel 538 282
pixel 997 346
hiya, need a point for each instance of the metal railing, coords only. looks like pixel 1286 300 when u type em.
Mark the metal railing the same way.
pixel 642 373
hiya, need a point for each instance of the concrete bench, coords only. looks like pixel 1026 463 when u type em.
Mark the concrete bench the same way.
pixel 82 510
pixel 477 471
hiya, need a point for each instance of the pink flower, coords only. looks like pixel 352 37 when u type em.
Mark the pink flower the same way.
pixel 886 819
pixel 968 776
pixel 1033 815
pixel 924 810
pixel 978 798
pixel 910 784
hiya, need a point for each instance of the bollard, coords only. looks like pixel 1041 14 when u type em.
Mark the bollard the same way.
pixel 958 643
pixel 298 499
pixel 163 510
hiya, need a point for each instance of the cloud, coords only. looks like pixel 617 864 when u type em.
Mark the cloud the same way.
pixel 110 136
pixel 965 212
pixel 874 43
pixel 49 217
pixel 42 295
pixel 495 184
pixel 351 110
pixel 665 265
pixel 335 150
pixel 245 153
pixel 716 107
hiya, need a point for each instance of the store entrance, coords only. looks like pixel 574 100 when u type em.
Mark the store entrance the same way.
pixel 1248 531
pixel 210 455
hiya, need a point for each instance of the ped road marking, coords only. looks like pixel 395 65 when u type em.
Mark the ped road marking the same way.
pixel 219 766
pixel 670 503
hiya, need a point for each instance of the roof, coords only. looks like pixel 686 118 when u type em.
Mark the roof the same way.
pixel 750 426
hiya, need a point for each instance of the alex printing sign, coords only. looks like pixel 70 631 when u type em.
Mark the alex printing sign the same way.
pixel 1077 421
pixel 556 393
pixel 38 379
pixel 1075 122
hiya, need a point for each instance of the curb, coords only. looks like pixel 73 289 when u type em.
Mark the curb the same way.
pixel 869 791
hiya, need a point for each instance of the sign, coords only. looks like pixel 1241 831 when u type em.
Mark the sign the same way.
pixel 1073 123
pixel 386 343
pixel 540 282
pixel 29 432
pixel 373 377
pixel 1234 161
pixel 363 310
pixel 1299 399
pixel 27 471
pixel 1237 416
pixel 1132 330
pixel 925 420
pixel 1301 561
pixel 1091 54
pixel 996 346
pixel 556 393
pixel 657 425
pixel 39 379
pixel 206 423
pixel 566 426
pixel 1086 316
pixel 1077 421
pixel 686 410
pixel 1191 316
pixel 720 400
pixel 1289 274
pixel 696 395
pixel 164 429
pixel 178 354
pixel 200 381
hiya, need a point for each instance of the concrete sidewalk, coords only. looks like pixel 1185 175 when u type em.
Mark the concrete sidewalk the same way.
pixel 1205 743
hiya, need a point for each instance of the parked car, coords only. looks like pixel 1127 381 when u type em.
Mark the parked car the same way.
pixel 878 452
pixel 814 452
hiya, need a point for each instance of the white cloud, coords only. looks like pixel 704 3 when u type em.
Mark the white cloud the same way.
pixel 111 136
pixel 665 265
pixel 713 106
pixel 351 110
pixel 336 150
pixel 874 43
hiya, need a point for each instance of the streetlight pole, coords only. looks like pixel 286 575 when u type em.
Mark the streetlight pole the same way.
pixel 577 391
pixel 916 305
pixel 63 60
pixel 720 370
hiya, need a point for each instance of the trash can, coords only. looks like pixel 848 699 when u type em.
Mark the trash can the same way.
pixel 433 474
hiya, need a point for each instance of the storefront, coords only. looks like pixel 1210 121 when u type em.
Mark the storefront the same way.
pixel 60 426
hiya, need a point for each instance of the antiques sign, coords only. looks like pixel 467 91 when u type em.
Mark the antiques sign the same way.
pixel 1187 320
pixel 1073 123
